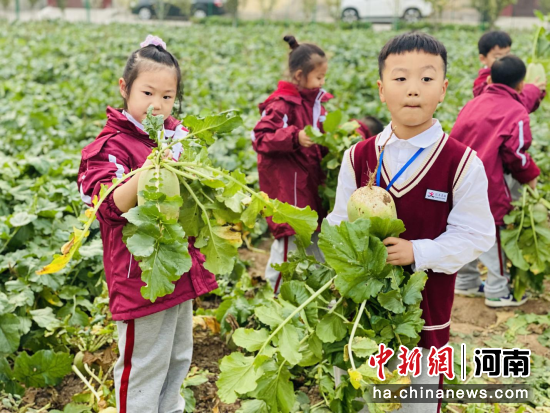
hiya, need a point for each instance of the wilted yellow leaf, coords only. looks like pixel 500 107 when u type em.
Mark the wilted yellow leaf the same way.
pixel 56 265
pixel 355 378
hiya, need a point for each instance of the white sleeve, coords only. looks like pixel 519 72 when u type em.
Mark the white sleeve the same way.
pixel 470 227
pixel 346 187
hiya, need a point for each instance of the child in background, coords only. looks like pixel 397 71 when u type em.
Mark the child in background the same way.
pixel 440 187
pixel 369 126
pixel 289 163
pixel 501 138
pixel 496 44
pixel 155 339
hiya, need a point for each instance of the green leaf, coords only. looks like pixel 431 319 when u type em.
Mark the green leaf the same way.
pixel 249 339
pixel 385 227
pixel 162 268
pixel 9 334
pixel 205 128
pixel 232 188
pixel 357 258
pixel 296 293
pixel 512 249
pixel 253 406
pixel 332 121
pixel 21 219
pixel 219 245
pixel 44 368
pixel 312 351
pixel 302 220
pixel 364 347
pixel 412 292
pixel 238 376
pixel 331 329
pixel 289 344
pixel 276 389
pixel 392 301
pixel 269 314
pixel 45 318
pixel 190 217
pixel 257 205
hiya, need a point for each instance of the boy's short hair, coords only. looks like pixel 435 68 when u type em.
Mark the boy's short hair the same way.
pixel 490 40
pixel 508 70
pixel 410 42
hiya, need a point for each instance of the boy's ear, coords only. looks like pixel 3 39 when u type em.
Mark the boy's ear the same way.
pixel 489 80
pixel 444 90
pixel 122 87
pixel 520 86
pixel 381 91
pixel 483 60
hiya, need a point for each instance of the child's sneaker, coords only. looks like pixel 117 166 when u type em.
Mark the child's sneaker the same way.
pixel 508 301
pixel 472 292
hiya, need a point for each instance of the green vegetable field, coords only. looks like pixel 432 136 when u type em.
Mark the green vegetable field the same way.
pixel 253 353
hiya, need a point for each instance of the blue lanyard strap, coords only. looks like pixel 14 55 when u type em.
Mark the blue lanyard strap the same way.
pixel 398 174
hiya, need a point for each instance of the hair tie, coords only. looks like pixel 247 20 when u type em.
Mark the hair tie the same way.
pixel 153 40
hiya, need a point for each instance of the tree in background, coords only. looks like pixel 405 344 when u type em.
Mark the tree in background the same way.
pixel 5 4
pixel 309 8
pixel 491 9
pixel 267 7
pixel 334 7
pixel 439 7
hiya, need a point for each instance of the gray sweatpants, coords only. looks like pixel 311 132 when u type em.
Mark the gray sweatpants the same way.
pixel 498 277
pixel 279 253
pixel 155 356
pixel 423 378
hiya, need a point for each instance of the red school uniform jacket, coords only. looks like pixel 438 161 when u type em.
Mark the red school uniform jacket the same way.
pixel 288 171
pixel 120 148
pixel 424 218
pixel 530 96
pixel 496 125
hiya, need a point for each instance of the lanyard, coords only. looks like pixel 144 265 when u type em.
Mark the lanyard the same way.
pixel 398 174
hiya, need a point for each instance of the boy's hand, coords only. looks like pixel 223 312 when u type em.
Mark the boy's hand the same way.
pixel 305 140
pixel 541 86
pixel 400 251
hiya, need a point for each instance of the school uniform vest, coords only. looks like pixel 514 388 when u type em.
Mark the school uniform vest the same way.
pixel 423 203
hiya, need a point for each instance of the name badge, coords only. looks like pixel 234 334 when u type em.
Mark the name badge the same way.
pixel 436 195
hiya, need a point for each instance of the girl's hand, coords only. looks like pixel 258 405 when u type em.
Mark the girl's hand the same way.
pixel 305 140
pixel 400 251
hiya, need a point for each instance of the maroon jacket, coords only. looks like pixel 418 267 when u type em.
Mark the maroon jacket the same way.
pixel 288 171
pixel 120 148
pixel 423 218
pixel 496 125
pixel 530 96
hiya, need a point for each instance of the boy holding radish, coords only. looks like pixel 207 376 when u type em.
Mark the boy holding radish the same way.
pixel 438 185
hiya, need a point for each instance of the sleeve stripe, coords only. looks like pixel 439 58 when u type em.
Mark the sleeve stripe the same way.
pixel 521 144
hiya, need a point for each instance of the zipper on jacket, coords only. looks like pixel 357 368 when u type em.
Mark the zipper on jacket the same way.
pixel 317 109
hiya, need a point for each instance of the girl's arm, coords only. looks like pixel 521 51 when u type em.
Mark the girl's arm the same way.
pixel 273 134
pixel 125 196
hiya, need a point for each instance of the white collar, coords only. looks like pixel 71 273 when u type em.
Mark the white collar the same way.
pixel 422 140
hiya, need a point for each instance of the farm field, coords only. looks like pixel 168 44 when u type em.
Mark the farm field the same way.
pixel 56 80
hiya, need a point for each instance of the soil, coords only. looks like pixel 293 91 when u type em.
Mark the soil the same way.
pixel 208 349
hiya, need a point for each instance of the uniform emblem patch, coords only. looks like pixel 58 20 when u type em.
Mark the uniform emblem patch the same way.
pixel 436 195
